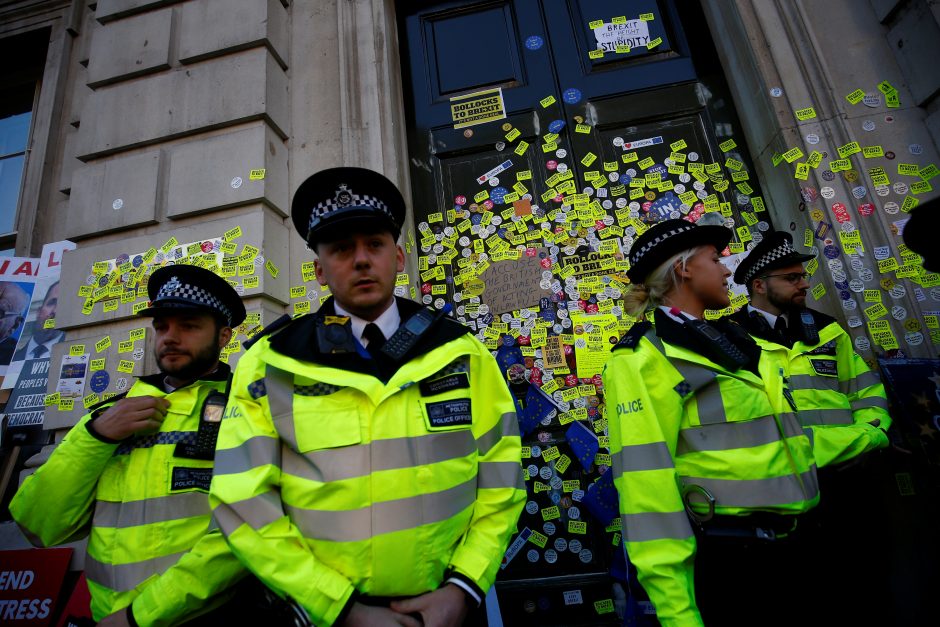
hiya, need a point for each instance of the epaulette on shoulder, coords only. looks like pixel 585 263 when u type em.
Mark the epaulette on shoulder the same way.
pixel 274 327
pixel 632 337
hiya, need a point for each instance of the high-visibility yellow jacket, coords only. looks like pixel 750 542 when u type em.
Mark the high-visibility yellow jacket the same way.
pixel 678 419
pixel 150 541
pixel 836 394
pixel 333 478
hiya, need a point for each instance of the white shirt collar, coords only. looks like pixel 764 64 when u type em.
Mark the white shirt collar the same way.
pixel 771 319
pixel 388 322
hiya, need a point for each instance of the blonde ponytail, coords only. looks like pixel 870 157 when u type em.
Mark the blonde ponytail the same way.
pixel 642 297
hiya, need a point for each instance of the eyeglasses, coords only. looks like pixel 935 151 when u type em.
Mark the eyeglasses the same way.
pixel 790 277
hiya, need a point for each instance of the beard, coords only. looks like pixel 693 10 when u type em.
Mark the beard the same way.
pixel 796 301
pixel 199 363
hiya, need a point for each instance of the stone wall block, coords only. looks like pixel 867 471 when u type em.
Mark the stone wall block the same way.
pixel 214 173
pixel 113 195
pixel 221 92
pixel 110 10
pixel 144 42
pixel 215 27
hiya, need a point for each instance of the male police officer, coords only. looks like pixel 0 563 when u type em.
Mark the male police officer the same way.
pixel 136 470
pixel 369 465
pixel 841 404
pixel 837 395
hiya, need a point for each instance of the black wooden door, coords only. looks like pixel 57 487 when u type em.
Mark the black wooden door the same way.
pixel 615 118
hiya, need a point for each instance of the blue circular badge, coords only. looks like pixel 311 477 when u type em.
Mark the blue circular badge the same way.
pixel 99 381
pixel 625 179
pixel 831 251
pixel 660 168
pixel 572 96
pixel 556 125
pixel 534 42
pixel 498 194
pixel 845 294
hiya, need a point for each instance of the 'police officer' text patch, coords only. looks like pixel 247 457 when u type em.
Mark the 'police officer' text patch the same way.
pixel 190 478
pixel 455 413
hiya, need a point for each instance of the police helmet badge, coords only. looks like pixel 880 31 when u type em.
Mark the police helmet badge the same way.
pixel 343 195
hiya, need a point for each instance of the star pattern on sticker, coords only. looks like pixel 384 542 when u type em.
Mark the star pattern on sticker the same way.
pixel 922 400
pixel 935 379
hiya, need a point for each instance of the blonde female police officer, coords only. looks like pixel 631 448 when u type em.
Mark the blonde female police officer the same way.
pixel 368 485
pixel 705 444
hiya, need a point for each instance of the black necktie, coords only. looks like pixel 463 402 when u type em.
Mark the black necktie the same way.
pixel 373 333
pixel 780 328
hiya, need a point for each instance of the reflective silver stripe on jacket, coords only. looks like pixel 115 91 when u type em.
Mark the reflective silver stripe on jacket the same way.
pixel 257 512
pixel 500 475
pixel 385 516
pixel 254 452
pixel 639 457
pixel 280 387
pixel 871 401
pixel 148 511
pixel 656 526
pixel 125 577
pixel 815 417
pixel 860 382
pixel 738 435
pixel 361 460
pixel 753 493
pixel 814 382
pixel 508 425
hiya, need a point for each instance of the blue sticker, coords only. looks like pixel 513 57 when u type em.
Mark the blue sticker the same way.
pixel 556 125
pixel 845 294
pixel 476 218
pixel 99 381
pixel 137 260
pixel 831 251
pixel 498 194
pixel 660 168
pixel 842 285
pixel 534 42
pixel 572 96
pixel 665 205
pixel 625 179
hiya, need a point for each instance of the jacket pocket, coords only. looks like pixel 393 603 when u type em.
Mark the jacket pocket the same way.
pixel 323 421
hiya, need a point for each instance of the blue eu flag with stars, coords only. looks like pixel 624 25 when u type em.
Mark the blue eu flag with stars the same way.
pixel 601 499
pixel 583 443
pixel 537 408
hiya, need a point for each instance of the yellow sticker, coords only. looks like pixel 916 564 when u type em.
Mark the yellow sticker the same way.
pixel 168 246
pixel 595 24
pixel 256 175
pixel 577 526
pixel 547 101
pixel 125 346
pixel 232 233
pixel 301 307
pixel 654 43
pixel 856 96
pixel 647 17
pixel 49 323
pixel 588 159
pixel 273 269
pixel 521 147
pixel 125 365
pixel 66 404
pixel 96 364
pixel 596 54
pixel 77 350
pixel 250 282
pixel 103 344
pixel 849 149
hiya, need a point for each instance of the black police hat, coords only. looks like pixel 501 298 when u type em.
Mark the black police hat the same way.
pixel 774 251
pixel 668 238
pixel 341 199
pixel 178 288
pixel 920 233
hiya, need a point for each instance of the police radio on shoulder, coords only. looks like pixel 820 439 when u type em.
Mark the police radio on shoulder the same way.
pixel 408 334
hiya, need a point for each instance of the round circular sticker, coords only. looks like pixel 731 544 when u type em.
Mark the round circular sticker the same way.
pixel 898 312
pixel 914 338
pixel 854 322
pixel 99 381
pixel 532 507
pixel 117 204
pixel 868 125
pixel 574 546
pixel 556 125
pixel 586 556
pixel 812 138
pixel 561 544
pixel 121 383
pixel 776 92
pixel 862 343
pixel 571 96
pixel 891 208
pixel 532 556
pixel 827 192
pixel 236 182
pixel 549 528
pixel 551 556
pixel 915 149
pixel 534 43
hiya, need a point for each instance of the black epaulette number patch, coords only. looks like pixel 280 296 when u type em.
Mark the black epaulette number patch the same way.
pixel 456 381
pixel 634 335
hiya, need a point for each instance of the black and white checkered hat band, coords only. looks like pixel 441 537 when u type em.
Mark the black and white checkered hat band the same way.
pixel 637 253
pixel 323 209
pixel 192 294
pixel 772 255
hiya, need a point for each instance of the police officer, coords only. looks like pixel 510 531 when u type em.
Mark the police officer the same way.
pixel 370 469
pixel 134 473
pixel 704 443
pixel 839 400
pixel 838 396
